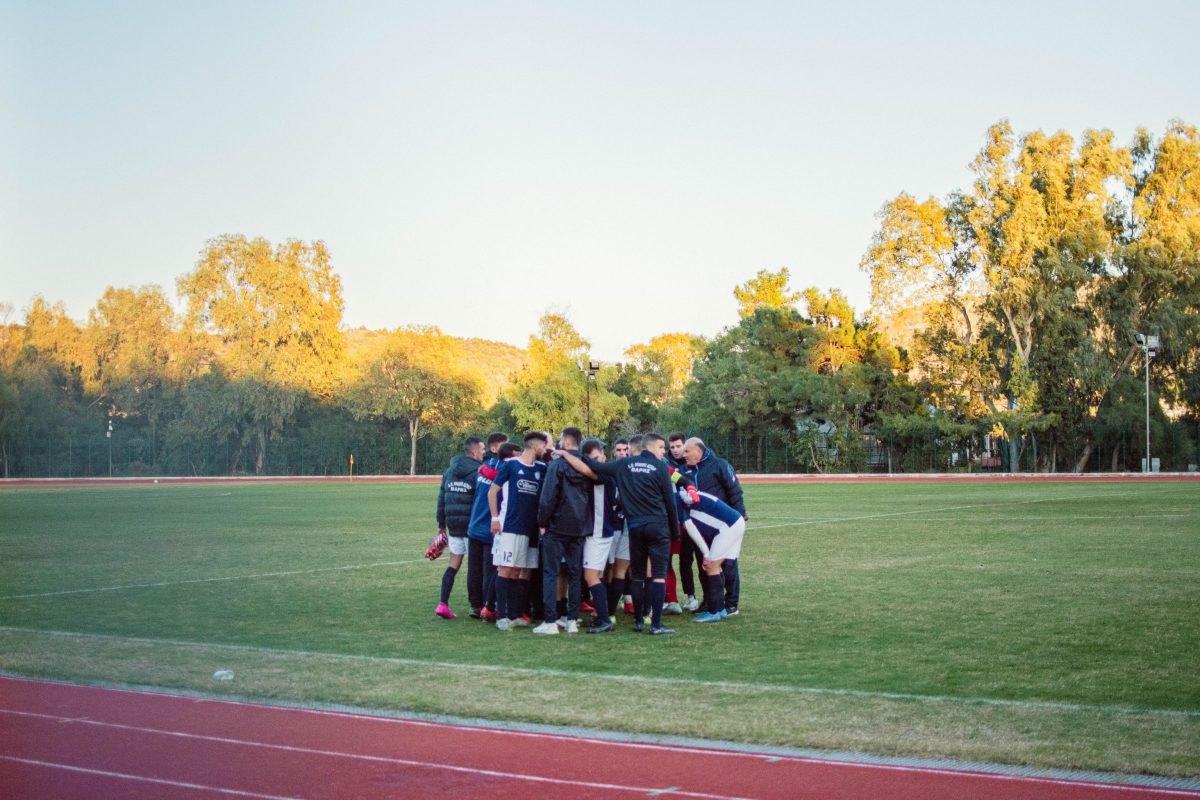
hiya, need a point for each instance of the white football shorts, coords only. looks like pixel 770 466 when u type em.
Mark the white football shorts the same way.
pixel 620 546
pixel 513 550
pixel 728 543
pixel 595 552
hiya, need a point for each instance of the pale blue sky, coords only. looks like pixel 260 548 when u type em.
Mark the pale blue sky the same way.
pixel 471 164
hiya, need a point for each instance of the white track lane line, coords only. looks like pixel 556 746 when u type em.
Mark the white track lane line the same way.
pixel 670 791
pixel 1048 705
pixel 144 779
pixel 641 745
pixel 830 521
pixel 212 580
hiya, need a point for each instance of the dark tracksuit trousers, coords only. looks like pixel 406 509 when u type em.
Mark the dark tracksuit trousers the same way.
pixel 687 557
pixel 555 551
pixel 480 572
pixel 653 542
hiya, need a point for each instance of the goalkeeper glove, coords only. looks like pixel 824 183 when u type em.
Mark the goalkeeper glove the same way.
pixel 437 545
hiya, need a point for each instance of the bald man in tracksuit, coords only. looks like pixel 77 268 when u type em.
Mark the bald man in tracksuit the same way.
pixel 714 475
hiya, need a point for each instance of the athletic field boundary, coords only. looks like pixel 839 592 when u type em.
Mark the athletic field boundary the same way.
pixel 716 748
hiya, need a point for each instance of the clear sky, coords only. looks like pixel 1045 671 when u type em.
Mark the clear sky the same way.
pixel 472 164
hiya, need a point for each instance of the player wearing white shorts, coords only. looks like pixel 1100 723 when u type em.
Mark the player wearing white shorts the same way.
pixel 514 523
pixel 597 547
pixel 455 500
pixel 717 529
pixel 618 554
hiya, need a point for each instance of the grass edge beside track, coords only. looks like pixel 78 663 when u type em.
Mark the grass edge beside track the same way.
pixel 1077 739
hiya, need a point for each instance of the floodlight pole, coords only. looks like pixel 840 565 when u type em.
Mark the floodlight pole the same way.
pixel 590 375
pixel 1149 345
pixel 108 434
pixel 1147 360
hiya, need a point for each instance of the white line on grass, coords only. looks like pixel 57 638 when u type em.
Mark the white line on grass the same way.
pixel 1048 705
pixel 143 778
pixel 1109 518
pixel 828 520
pixel 643 790
pixel 796 523
pixel 212 580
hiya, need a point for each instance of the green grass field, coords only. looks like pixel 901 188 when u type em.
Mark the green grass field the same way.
pixel 880 618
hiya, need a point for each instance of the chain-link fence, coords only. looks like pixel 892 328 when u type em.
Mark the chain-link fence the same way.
pixel 322 444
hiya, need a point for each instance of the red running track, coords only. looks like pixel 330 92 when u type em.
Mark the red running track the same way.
pixel 63 741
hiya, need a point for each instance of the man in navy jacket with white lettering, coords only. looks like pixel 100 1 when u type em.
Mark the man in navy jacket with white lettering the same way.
pixel 714 475
pixel 644 484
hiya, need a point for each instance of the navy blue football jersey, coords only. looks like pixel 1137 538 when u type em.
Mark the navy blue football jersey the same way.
pixel 712 516
pixel 522 485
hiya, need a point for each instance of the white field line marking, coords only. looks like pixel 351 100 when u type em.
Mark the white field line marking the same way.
pixel 977 773
pixel 1049 705
pixel 798 522
pixel 826 520
pixel 650 791
pixel 1042 518
pixel 211 580
pixel 143 779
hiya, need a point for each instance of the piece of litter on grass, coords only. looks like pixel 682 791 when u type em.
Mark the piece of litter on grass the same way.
pixel 223 675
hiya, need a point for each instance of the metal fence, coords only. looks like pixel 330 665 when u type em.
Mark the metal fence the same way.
pixel 324 446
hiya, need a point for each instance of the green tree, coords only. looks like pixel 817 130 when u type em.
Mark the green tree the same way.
pixel 127 345
pixel 53 338
pixel 552 391
pixel 10 416
pixel 994 265
pixel 397 388
pixel 839 339
pixel 1152 284
pixel 918 265
pixel 765 290
pixel 276 313
pixel 664 365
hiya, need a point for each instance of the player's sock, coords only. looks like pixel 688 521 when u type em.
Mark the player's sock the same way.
pixel 500 585
pixel 616 587
pixel 448 583
pixel 489 587
pixel 672 596
pixel 658 594
pixel 637 589
pixel 600 601
pixel 520 602
pixel 561 608
pixel 715 591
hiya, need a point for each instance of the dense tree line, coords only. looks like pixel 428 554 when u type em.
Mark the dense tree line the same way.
pixel 1001 335
pixel 1021 298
